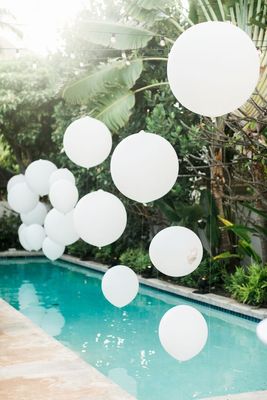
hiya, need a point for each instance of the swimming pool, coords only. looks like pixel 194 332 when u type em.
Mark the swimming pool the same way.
pixel 67 302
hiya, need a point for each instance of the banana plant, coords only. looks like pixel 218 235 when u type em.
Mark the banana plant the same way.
pixel 110 89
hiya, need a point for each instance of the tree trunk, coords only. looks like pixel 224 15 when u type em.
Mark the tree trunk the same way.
pixel 217 185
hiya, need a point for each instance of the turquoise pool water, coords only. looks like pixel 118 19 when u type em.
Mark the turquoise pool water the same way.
pixel 67 302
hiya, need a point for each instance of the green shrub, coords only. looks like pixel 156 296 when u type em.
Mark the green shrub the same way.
pixel 80 249
pixel 9 224
pixel 249 285
pixel 137 259
pixel 209 275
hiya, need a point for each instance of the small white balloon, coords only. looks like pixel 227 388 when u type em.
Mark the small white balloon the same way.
pixel 52 250
pixel 36 215
pixel 60 227
pixel 120 285
pixel 61 173
pixel 262 331
pixel 176 251
pixel 14 180
pixel 37 176
pixel 63 195
pixel 87 142
pixel 21 198
pixel 183 332
pixel 144 167
pixel 213 68
pixel 35 235
pixel 100 218
pixel 22 237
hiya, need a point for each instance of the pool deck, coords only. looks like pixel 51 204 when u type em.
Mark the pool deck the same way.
pixel 34 366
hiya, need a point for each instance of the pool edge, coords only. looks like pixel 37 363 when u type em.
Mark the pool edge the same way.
pixel 36 365
pixel 215 301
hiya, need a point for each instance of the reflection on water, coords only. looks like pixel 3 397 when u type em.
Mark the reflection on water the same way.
pixel 49 319
pixel 122 378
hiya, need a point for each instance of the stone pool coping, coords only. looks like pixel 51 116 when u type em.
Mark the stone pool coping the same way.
pixel 35 366
pixel 215 300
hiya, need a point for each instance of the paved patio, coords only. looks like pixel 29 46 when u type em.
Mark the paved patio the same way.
pixel 34 366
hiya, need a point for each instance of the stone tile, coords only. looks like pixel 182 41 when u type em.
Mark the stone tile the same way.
pixel 35 366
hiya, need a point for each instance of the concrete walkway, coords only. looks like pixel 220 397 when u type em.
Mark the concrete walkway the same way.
pixel 34 366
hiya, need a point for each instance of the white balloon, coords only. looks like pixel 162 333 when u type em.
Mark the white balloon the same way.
pixel 183 332
pixel 37 176
pixel 144 166
pixel 120 285
pixel 36 215
pixel 14 180
pixel 63 195
pixel 100 218
pixel 22 237
pixel 262 331
pixel 21 198
pixel 87 142
pixel 61 173
pixel 35 235
pixel 176 251
pixel 52 250
pixel 213 68
pixel 60 227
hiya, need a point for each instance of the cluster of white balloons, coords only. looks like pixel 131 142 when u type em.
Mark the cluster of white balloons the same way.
pixel 144 167
pixel 43 178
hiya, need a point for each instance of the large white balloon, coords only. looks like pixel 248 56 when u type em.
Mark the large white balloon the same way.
pixel 176 251
pixel 183 332
pixel 100 218
pixel 22 237
pixel 61 173
pixel 63 195
pixel 262 331
pixel 60 227
pixel 36 215
pixel 21 198
pixel 87 142
pixel 120 285
pixel 52 250
pixel 213 68
pixel 37 176
pixel 35 235
pixel 144 166
pixel 14 180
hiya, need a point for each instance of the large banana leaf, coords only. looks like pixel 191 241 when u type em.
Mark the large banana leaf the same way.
pixel 125 37
pixel 115 109
pixel 146 17
pixel 153 4
pixel 116 73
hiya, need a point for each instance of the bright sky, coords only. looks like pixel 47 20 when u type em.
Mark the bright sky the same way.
pixel 42 19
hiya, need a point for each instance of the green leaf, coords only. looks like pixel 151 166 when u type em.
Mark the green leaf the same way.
pixel 153 4
pixel 114 110
pixel 225 255
pixel 125 37
pixel 99 80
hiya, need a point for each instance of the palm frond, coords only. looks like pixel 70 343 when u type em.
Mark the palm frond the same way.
pixel 116 73
pixel 125 37
pixel 115 110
